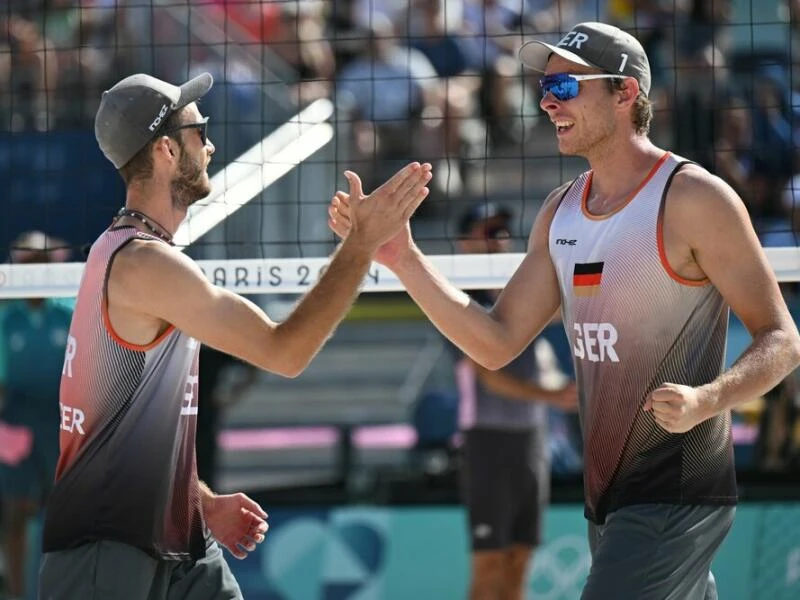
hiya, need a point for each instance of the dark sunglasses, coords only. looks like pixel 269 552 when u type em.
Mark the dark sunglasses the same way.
pixel 201 126
pixel 564 86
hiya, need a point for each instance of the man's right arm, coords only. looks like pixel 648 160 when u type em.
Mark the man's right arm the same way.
pixel 151 285
pixel 151 279
pixel 491 338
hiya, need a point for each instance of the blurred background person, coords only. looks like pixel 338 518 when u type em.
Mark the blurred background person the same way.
pixel 223 380
pixel 503 417
pixel 33 339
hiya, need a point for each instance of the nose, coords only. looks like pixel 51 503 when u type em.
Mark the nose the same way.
pixel 211 147
pixel 548 102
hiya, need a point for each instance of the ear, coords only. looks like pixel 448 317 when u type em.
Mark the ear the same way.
pixel 165 148
pixel 629 93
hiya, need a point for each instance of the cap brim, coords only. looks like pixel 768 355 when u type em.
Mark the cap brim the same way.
pixel 194 89
pixel 535 54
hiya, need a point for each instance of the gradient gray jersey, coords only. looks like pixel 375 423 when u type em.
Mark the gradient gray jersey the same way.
pixel 127 468
pixel 480 408
pixel 635 324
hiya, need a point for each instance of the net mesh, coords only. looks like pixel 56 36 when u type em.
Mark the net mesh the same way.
pixel 306 89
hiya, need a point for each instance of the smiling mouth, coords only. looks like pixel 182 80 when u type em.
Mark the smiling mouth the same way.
pixel 563 126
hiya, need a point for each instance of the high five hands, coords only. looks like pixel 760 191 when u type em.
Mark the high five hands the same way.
pixel 380 218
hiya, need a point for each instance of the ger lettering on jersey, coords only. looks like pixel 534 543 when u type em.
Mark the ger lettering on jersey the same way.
pixel 128 414
pixel 615 281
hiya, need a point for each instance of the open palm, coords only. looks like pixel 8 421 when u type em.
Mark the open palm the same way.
pixel 339 222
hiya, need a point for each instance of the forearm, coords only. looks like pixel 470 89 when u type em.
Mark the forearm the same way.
pixel 464 322
pixel 772 356
pixel 322 308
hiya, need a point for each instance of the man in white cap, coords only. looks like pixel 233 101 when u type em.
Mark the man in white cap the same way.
pixel 644 254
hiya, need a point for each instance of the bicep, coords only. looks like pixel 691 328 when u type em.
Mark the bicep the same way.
pixel 173 289
pixel 726 248
pixel 221 319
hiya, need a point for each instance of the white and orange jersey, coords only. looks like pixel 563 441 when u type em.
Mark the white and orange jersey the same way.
pixel 635 324
pixel 127 467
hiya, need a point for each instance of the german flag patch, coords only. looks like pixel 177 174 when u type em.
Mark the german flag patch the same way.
pixel 586 278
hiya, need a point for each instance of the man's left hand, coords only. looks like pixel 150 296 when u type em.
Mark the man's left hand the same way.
pixel 236 522
pixel 677 408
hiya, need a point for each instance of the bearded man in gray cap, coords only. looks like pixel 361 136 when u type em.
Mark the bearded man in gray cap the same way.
pixel 128 517
pixel 644 253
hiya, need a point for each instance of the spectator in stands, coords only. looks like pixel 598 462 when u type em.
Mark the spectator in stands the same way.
pixel 389 92
pixel 703 80
pixel 31 75
pixel 493 29
pixel 784 230
pixel 33 338
pixel 458 66
pixel 299 40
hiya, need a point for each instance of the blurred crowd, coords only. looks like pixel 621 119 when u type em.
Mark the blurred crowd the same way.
pixel 429 79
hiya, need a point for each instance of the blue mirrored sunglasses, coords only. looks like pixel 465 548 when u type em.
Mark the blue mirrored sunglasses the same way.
pixel 564 86
pixel 201 126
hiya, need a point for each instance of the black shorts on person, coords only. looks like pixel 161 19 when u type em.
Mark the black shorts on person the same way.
pixel 505 478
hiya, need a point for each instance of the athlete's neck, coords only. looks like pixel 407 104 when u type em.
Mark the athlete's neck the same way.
pixel 157 207
pixel 619 169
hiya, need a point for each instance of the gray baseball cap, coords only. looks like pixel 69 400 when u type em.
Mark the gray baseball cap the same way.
pixel 131 112
pixel 594 45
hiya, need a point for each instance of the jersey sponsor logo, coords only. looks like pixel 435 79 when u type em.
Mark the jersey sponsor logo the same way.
pixel 566 242
pixel 69 355
pixel 595 342
pixel 586 278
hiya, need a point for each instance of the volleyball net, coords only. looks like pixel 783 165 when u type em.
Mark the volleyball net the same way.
pixel 305 90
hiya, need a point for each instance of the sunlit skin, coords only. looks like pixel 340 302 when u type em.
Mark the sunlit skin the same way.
pixel 602 131
pixel 191 182
pixel 180 170
pixel 592 112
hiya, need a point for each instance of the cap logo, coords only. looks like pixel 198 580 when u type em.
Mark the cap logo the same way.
pixel 160 117
pixel 574 39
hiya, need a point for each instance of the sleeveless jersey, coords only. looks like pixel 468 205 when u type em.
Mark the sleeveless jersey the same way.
pixel 127 467
pixel 635 324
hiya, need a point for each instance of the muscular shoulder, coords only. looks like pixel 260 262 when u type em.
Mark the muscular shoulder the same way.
pixel 142 263
pixel 148 255
pixel 696 191
pixel 700 204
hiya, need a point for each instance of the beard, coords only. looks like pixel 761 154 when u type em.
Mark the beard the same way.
pixel 190 184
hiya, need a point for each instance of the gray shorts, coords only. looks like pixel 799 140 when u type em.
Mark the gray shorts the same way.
pixel 107 569
pixel 657 552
